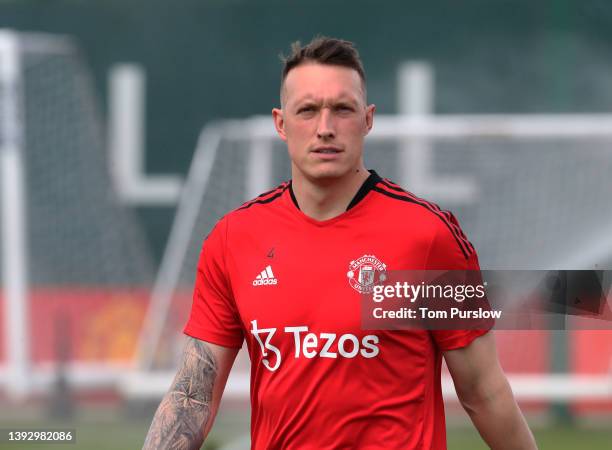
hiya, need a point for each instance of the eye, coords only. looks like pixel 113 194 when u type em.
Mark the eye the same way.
pixel 344 108
pixel 306 109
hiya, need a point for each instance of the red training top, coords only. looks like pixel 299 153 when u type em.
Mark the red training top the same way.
pixel 291 286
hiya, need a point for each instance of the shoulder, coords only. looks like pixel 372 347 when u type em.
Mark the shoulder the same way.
pixel 263 199
pixel 252 211
pixel 419 213
pixel 259 205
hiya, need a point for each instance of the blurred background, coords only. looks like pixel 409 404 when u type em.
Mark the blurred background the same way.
pixel 127 128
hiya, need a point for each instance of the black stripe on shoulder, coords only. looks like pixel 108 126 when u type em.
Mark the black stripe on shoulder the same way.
pixel 262 199
pixel 404 198
pixel 395 196
pixel 278 188
pixel 270 191
pixel 394 186
pixel 444 215
pixel 391 185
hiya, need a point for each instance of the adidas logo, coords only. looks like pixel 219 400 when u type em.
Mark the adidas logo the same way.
pixel 265 277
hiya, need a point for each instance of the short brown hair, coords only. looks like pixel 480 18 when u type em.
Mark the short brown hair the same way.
pixel 323 50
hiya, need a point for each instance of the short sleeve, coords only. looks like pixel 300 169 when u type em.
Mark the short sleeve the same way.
pixel 214 316
pixel 451 250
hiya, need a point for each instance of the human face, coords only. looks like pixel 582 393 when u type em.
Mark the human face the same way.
pixel 324 120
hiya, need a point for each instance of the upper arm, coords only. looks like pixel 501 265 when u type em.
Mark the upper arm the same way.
pixel 214 316
pixel 475 369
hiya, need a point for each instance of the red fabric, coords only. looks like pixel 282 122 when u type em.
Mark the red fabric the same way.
pixel 328 384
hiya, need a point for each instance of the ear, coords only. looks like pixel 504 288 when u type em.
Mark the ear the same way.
pixel 370 117
pixel 279 123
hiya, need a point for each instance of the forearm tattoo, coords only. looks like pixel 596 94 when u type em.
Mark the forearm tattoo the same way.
pixel 185 410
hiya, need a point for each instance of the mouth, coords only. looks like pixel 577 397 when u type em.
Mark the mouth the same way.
pixel 327 150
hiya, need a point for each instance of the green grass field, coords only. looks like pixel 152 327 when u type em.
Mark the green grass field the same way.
pixel 114 433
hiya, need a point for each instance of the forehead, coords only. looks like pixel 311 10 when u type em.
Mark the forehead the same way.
pixel 322 81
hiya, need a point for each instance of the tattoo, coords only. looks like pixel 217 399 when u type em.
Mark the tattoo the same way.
pixel 184 411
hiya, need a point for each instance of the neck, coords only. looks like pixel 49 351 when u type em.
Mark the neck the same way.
pixel 327 198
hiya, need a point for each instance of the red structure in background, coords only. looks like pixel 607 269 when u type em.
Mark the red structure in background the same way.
pixel 104 326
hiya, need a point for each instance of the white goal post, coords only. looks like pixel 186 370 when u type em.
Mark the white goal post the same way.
pixel 64 232
pixel 13 220
pixel 13 202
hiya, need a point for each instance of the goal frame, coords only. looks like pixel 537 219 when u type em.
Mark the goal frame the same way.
pixel 260 132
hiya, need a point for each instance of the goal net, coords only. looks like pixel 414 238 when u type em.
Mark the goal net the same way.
pixel 75 266
pixel 529 191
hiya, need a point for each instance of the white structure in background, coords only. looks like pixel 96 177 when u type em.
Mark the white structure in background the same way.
pixel 127 94
pixel 126 137
pixel 416 87
pixel 14 223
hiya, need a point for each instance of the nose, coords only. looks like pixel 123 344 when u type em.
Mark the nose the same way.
pixel 325 128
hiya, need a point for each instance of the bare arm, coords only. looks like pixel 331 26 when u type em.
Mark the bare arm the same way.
pixel 486 395
pixel 186 413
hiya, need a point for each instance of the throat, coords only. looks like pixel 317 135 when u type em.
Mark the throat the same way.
pixel 324 200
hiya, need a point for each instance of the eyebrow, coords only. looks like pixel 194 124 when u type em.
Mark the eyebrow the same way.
pixel 342 98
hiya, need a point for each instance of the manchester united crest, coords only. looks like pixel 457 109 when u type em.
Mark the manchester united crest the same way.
pixel 365 272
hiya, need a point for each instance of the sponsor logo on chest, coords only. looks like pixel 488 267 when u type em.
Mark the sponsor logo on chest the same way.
pixel 310 345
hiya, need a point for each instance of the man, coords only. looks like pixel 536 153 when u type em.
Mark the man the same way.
pixel 286 272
